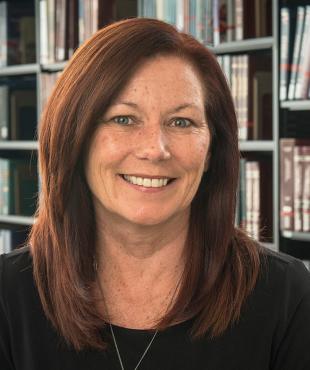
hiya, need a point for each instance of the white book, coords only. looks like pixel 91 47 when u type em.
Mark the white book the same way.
pixel 44 47
pixel 284 52
pixel 304 55
pixel 298 188
pixel 3 34
pixel 306 190
pixel 160 10
pixel 296 52
pixel 180 15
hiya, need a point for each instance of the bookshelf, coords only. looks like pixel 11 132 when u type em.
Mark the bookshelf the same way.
pixel 294 113
pixel 262 44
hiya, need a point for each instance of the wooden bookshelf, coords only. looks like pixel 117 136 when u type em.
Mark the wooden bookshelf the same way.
pixel 294 113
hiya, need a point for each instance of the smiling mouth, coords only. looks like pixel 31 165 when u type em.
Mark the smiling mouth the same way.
pixel 148 182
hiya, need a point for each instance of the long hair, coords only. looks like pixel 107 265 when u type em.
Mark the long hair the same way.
pixel 222 263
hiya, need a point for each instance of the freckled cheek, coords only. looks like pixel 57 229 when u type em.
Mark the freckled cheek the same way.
pixel 194 156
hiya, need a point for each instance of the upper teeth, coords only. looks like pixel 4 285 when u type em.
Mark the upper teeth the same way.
pixel 146 182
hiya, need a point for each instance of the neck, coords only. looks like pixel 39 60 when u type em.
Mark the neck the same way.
pixel 140 266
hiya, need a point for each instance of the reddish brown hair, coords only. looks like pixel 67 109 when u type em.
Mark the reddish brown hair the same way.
pixel 222 263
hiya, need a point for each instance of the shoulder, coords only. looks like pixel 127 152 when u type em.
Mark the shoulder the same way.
pixel 283 284
pixel 17 261
pixel 286 270
pixel 15 271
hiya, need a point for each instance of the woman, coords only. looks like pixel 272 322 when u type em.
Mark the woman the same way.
pixel 134 261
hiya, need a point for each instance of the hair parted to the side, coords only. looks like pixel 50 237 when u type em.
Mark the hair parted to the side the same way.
pixel 222 263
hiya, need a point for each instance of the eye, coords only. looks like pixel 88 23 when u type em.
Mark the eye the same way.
pixel 122 120
pixel 182 122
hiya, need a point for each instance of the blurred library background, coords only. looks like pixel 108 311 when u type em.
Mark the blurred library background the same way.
pixel 263 47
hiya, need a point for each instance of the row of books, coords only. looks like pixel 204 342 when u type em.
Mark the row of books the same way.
pixel 254 213
pixel 17 114
pixel 65 24
pixel 250 79
pixel 295 185
pixel 213 21
pixel 17 32
pixel 18 108
pixel 18 187
pixel 295 53
pixel 12 237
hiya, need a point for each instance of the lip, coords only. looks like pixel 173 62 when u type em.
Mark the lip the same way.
pixel 147 176
pixel 144 189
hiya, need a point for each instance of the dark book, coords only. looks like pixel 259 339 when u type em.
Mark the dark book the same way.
pixel 23 107
pixel 18 187
pixel 17 33
pixel 72 27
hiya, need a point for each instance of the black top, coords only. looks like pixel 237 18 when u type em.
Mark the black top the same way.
pixel 273 332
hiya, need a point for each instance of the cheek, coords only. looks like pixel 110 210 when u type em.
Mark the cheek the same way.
pixel 194 155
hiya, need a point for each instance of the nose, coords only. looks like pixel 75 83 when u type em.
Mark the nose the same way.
pixel 152 144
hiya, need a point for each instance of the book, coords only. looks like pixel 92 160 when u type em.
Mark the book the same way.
pixel 262 105
pixel 292 189
pixel 298 187
pixel 306 189
pixel 17 34
pixel 302 79
pixel 284 52
pixel 18 187
pixel 296 52
pixel 23 108
pixel 4 112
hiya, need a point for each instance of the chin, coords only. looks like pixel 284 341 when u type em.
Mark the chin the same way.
pixel 148 220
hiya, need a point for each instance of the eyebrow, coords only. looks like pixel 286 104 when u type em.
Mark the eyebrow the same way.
pixel 175 110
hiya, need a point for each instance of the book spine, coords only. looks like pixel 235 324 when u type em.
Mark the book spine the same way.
pixel 249 197
pixel 200 25
pixel 284 52
pixel 208 23
pixel 4 112
pixel 160 10
pixel 305 68
pixel 81 22
pixel 216 23
pixel 231 20
pixel 303 55
pixel 242 194
pixel 306 190
pixel 186 15
pixel 3 34
pixel 256 199
pixel 179 15
pixel 286 184
pixel 192 17
pixel 298 182
pixel 44 39
pixel 239 19
pixel 296 53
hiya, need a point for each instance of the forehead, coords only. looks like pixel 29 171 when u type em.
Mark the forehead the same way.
pixel 163 77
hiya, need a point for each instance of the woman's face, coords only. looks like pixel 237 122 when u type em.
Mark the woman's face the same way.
pixel 147 156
